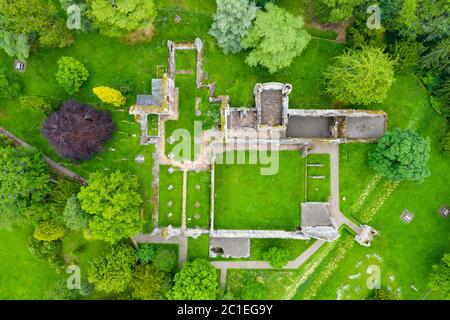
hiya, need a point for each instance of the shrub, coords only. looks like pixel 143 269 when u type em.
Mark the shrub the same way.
pixel 39 212
pixel 62 190
pixel 124 85
pixel 197 280
pixel 442 92
pixel 113 271
pixel 149 283
pixel 401 155
pixel 277 257
pixel 406 54
pixel 165 260
pixel 254 291
pixel 439 278
pixel 445 144
pixel 78 131
pixel 211 117
pixel 382 294
pixel 74 217
pixel 37 103
pixel 47 251
pixel 61 292
pixel 10 85
pixel 71 74
pixel 439 106
pixel 146 253
pixel 335 10
pixel 14 44
pixel 49 231
pixel 110 95
pixel 360 77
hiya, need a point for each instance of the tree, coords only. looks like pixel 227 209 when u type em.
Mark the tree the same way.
pixel 74 217
pixel 47 251
pixel 277 257
pixel 197 280
pixel 110 95
pixel 71 74
pixel 360 77
pixel 49 231
pixel 438 58
pixel 149 283
pixel 15 45
pixel 24 181
pixel 39 17
pixel 276 38
pixel 113 271
pixel 439 278
pixel 407 13
pixel 231 23
pixel 122 17
pixel 10 85
pixel 37 103
pixel 335 10
pixel 146 253
pixel 113 200
pixel 401 155
pixel 78 131
pixel 165 260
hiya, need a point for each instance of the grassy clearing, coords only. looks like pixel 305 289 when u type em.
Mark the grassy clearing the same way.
pixel 198 248
pixel 318 185
pixel 245 199
pixel 294 247
pixel 170 201
pixel 198 199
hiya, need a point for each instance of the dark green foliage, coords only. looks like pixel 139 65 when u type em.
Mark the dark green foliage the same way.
pixel 401 155
pixel 262 3
pixel 442 92
pixel 439 106
pixel 74 217
pixel 440 276
pixel 149 283
pixel 382 294
pixel 124 85
pixel 198 280
pixel 254 291
pixel 335 10
pixel 113 271
pixel 38 103
pixel 63 190
pixel 406 54
pixel 211 116
pixel 277 257
pixel 165 260
pixel 61 292
pixel 146 253
pixel 42 211
pixel 359 35
pixel 445 144
pixel 47 251
pixel 10 85
pixel 438 58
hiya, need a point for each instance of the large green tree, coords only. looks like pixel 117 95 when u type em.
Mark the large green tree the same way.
pixel 24 181
pixel 231 23
pixel 149 283
pixel 121 17
pixel 335 10
pixel 114 201
pixel 196 281
pixel 113 271
pixel 401 155
pixel 360 76
pixel 39 17
pixel 440 276
pixel 275 39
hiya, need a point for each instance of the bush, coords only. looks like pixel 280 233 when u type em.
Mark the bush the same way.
pixel 37 103
pixel 42 211
pixel 335 10
pixel 211 117
pixel 401 155
pixel 277 257
pixel 439 106
pixel 445 144
pixel 10 85
pixel 49 231
pixel 62 190
pixel 146 253
pixel 47 251
pixel 61 292
pixel 254 291
pixel 406 54
pixel 74 217
pixel 439 278
pixel 71 74
pixel 149 283
pixel 382 294
pixel 165 260
pixel 110 95
pixel 360 76
pixel 125 86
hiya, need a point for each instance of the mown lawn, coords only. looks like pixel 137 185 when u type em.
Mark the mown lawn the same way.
pixel 198 199
pixel 318 185
pixel 170 201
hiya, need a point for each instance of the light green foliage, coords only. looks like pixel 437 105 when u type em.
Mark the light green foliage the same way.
pixel 360 77
pixel 24 181
pixel 49 231
pixel 71 74
pixel 114 202
pixel 74 217
pixel 125 17
pixel 37 103
pixel 149 283
pixel 10 85
pixel 407 13
pixel 36 16
pixel 113 271
pixel 406 54
pixel 165 260
pixel 276 38
pixel 335 10
pixel 146 253
pixel 440 276
pixel 15 45
pixel 401 155
pixel 277 257
pixel 254 291
pixel 198 280
pixel 231 23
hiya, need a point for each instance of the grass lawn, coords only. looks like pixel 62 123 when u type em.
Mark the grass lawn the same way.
pixel 318 185
pixel 198 248
pixel 294 247
pixel 245 199
pixel 170 201
pixel 198 199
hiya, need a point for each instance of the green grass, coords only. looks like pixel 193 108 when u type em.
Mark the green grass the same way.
pixel 245 199
pixel 198 197
pixel 294 247
pixel 198 248
pixel 318 190
pixel 166 196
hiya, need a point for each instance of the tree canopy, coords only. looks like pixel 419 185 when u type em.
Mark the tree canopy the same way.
pixel 360 76
pixel 275 39
pixel 440 276
pixel 149 283
pixel 277 257
pixel 196 281
pixel 231 23
pixel 114 201
pixel 401 155
pixel 335 10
